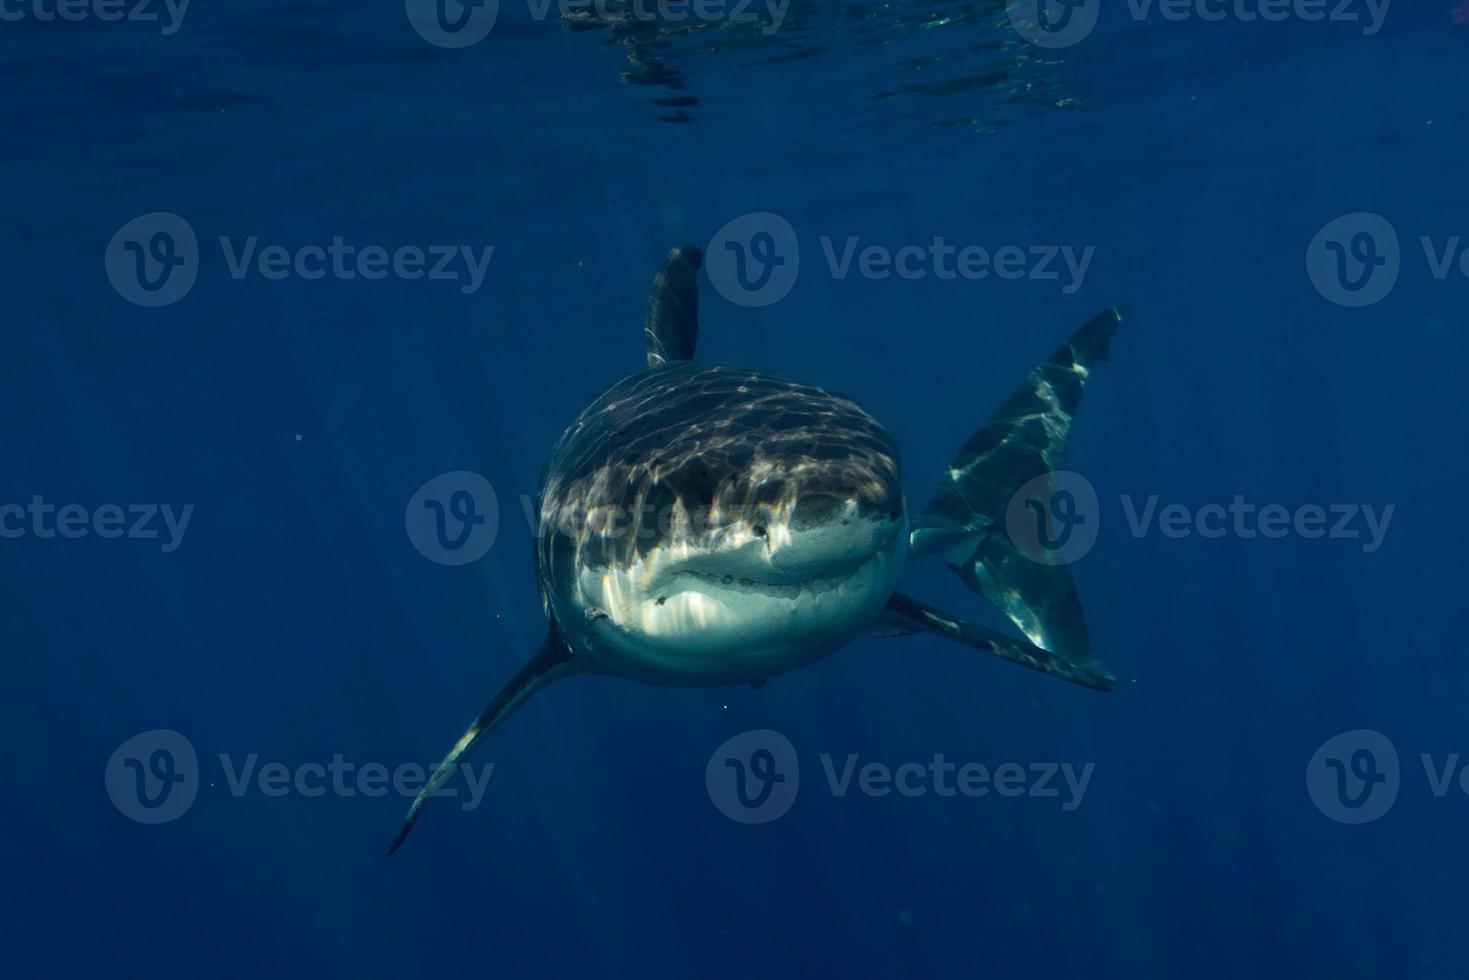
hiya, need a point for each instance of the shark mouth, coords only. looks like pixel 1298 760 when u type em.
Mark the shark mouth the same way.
pixel 777 562
pixel 744 612
pixel 776 587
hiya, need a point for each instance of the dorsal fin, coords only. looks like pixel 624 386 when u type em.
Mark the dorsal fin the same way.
pixel 672 329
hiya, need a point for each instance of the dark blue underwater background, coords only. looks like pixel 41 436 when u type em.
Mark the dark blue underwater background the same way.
pixel 296 620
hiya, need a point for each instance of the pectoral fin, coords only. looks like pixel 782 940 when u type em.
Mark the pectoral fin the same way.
pixel 549 663
pixel 904 614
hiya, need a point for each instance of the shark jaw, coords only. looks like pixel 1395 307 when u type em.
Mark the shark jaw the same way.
pixel 739 608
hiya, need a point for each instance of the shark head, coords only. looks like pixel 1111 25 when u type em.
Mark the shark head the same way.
pixel 707 524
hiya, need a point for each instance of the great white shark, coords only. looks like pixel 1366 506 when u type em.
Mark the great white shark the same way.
pixel 709 525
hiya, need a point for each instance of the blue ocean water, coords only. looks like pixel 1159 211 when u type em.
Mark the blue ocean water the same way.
pixel 1278 203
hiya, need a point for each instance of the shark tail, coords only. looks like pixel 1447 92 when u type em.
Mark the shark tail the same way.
pixel 548 664
pixel 1020 447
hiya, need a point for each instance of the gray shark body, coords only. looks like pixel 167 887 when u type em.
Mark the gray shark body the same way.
pixel 708 525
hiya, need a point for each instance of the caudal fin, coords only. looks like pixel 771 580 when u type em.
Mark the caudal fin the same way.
pixel 549 663
pixel 965 521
